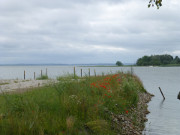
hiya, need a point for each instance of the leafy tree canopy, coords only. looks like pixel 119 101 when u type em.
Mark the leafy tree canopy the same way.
pixel 158 3
pixel 156 60
pixel 119 63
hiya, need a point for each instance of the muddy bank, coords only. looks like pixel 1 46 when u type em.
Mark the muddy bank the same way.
pixel 132 123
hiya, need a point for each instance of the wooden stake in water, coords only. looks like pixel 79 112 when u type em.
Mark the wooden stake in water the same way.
pixel 81 72
pixel 94 72
pixel 161 93
pixel 34 76
pixel 24 74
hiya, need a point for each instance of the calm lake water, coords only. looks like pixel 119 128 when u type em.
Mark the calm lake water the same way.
pixel 164 117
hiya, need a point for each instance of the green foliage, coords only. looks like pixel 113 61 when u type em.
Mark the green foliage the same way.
pixel 176 60
pixel 70 107
pixel 43 77
pixel 119 63
pixel 4 83
pixel 158 3
pixel 157 60
pixel 98 126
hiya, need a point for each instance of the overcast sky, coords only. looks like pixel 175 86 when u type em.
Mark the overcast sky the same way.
pixel 86 31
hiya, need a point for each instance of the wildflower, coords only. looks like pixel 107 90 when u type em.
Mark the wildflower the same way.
pixel 73 97
pixel 93 84
pixel 119 79
pixel 114 76
pixel 106 79
pixel 103 86
pixel 126 112
pixel 78 102
pixel 100 102
pixel 107 83
pixel 110 91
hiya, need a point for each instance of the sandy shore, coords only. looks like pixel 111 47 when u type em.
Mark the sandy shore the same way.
pixel 14 85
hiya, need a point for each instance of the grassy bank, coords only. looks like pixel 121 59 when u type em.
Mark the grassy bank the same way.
pixel 71 107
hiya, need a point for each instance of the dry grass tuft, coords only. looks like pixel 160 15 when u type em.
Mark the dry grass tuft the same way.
pixel 70 122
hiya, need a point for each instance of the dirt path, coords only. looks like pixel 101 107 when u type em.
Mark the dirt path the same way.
pixel 13 85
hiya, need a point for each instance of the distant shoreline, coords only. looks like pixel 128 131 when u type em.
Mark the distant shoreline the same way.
pixel 57 64
pixel 91 65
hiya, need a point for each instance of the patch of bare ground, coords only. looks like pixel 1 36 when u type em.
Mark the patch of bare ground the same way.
pixel 22 85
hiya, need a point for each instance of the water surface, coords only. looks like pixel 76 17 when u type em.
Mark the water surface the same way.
pixel 164 118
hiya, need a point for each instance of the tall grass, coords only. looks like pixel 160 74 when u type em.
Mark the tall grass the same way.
pixel 70 107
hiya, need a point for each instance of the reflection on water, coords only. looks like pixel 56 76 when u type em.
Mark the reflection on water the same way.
pixel 161 104
pixel 164 117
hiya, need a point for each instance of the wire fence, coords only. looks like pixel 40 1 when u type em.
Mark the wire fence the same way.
pixel 32 72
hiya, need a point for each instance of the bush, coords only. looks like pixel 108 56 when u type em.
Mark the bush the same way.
pixel 119 63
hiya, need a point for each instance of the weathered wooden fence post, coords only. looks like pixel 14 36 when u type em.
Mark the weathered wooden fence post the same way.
pixel 81 72
pixel 24 75
pixel 34 76
pixel 74 72
pixel 46 72
pixel 94 72
pixel 89 72
pixel 161 93
pixel 41 73
pixel 102 73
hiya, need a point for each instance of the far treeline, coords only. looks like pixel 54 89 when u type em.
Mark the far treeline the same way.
pixel 157 60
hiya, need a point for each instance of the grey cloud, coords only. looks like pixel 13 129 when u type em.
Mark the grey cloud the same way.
pixel 85 31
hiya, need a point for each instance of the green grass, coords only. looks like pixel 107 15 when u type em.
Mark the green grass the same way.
pixel 68 77
pixel 43 77
pixel 3 83
pixel 70 107
pixel 16 81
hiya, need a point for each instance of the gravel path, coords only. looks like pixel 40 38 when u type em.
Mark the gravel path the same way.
pixel 14 85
